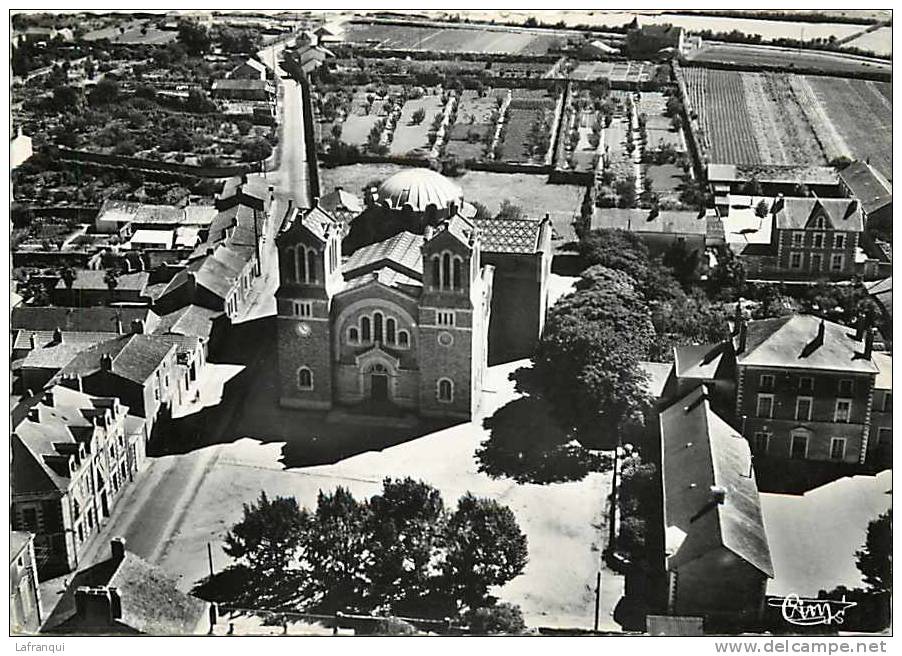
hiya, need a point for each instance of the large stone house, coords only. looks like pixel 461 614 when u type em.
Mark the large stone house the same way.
pixel 805 388
pixel 71 459
pixel 394 313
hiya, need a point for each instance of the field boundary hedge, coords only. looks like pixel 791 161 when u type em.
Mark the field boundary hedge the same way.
pixel 121 161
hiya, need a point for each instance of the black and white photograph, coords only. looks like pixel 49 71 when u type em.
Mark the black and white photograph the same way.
pixel 400 321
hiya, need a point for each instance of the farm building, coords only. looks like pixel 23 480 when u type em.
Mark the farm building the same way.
pixel 862 181
pixel 773 179
pixel 597 49
pixel 123 217
pixel 249 70
pixel 658 229
pixel 93 288
pixel 717 556
pixel 242 89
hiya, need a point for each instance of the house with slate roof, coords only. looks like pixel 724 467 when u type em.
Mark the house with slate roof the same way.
pixel 90 288
pixel 141 370
pixel 73 454
pixel 126 595
pixel 805 388
pixel 716 553
pixel 804 239
pixel 394 315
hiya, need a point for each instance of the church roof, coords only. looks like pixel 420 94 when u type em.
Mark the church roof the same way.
pixel 509 235
pixel 419 188
pixel 400 252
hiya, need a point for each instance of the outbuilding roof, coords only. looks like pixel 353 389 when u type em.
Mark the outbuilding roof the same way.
pixel 868 185
pixel 711 499
pixel 509 235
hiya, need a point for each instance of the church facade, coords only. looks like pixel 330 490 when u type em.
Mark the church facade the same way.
pixel 392 311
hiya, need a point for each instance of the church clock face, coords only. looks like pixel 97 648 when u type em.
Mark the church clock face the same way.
pixel 303 330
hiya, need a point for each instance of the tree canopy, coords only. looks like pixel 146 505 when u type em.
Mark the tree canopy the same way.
pixel 401 551
pixel 875 558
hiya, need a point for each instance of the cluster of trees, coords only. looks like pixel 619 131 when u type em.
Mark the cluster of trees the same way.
pixel 400 552
pixel 590 370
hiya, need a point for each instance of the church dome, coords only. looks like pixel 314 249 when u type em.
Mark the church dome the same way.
pixel 419 188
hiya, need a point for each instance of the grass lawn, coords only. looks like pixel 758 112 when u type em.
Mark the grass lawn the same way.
pixel 408 136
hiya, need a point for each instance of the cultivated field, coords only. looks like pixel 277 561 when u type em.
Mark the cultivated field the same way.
pixel 786 119
pixel 472 132
pixel 718 97
pixel 133 32
pixel 451 39
pixel 880 41
pixel 861 112
pixel 824 62
pixel 526 133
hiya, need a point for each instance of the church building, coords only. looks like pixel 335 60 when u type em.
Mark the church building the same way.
pixel 393 310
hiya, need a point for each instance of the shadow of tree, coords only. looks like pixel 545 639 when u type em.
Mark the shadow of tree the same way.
pixel 529 446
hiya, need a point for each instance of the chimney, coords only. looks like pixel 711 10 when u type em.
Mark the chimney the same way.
pixel 57 336
pixel 868 344
pixel 32 341
pixel 117 549
pixel 339 188
pixel 428 232
pixel 106 362
pixel 820 333
pixel 778 204
pixel 743 334
pixel 34 414
pixel 115 604
pixel 718 494
pixel 118 324
pixel 48 399
pixel 137 327
pixel 315 201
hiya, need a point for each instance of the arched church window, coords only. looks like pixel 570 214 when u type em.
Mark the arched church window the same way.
pixel 353 335
pixel 305 379
pixel 390 330
pixel 290 265
pixel 403 338
pixel 446 271
pixel 365 329
pixel 436 272
pixel 445 390
pixel 458 264
pixel 311 265
pixel 377 327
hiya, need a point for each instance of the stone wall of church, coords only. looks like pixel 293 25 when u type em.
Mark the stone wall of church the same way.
pixel 298 349
pixel 440 359
pixel 517 306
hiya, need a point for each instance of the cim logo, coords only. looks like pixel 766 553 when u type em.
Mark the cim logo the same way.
pixel 812 612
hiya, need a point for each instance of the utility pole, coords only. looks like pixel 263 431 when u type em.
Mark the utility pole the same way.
pixel 210 559
pixel 597 598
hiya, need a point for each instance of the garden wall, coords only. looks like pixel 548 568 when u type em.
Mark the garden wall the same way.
pixel 149 164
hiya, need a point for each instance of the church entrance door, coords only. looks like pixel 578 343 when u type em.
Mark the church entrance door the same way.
pixel 379 387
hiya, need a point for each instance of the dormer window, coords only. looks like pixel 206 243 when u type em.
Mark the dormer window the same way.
pixel 819 223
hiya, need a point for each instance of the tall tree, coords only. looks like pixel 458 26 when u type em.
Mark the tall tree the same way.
pixel 111 278
pixel 194 37
pixel 406 524
pixel 485 548
pixel 875 558
pixel 68 275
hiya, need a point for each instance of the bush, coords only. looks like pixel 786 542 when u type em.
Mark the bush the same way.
pixel 500 618
pixel 255 150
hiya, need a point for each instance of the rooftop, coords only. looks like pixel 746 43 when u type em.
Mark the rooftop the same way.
pixel 773 173
pixel 509 235
pixel 663 222
pixel 868 185
pixel 80 319
pixel 419 188
pixel 151 602
pixel 792 341
pixel 401 252
pixel 192 320
pixel 797 213
pixel 232 83
pixel 658 374
pixel 699 361
pixel 702 454
pixel 133 357
pixel 95 280
pixel 120 211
